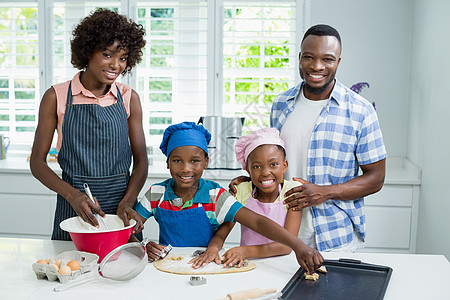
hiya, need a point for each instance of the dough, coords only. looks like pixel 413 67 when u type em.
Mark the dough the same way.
pixel 313 277
pixel 178 264
pixel 322 269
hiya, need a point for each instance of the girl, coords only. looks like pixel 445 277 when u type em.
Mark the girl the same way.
pixel 262 154
pixel 99 125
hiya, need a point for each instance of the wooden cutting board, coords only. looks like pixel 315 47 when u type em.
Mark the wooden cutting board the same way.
pixel 178 264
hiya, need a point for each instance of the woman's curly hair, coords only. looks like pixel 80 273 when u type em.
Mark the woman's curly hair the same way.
pixel 101 29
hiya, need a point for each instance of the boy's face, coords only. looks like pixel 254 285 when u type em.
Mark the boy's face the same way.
pixel 186 165
pixel 266 166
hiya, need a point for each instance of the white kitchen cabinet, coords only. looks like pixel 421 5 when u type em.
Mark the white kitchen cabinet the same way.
pixel 28 206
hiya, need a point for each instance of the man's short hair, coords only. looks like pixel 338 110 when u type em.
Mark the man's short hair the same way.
pixel 322 30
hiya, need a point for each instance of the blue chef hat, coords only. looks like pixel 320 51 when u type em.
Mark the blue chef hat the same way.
pixel 184 134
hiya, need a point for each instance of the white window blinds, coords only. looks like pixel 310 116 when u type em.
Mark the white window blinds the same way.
pixel 259 57
pixel 171 79
pixel 19 68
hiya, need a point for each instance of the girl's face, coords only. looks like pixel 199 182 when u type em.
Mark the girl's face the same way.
pixel 186 165
pixel 266 165
pixel 106 65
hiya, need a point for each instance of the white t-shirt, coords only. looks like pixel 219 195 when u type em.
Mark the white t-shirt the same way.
pixel 296 134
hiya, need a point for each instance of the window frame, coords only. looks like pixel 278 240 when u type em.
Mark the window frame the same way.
pixel 215 21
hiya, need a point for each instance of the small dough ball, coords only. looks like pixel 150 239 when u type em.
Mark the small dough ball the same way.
pixel 313 277
pixel 74 265
pixel 65 270
pixel 322 269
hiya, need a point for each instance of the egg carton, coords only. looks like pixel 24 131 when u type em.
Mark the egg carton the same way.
pixel 88 263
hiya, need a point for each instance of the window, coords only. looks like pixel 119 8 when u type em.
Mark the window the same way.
pixel 19 77
pixel 259 58
pixel 210 57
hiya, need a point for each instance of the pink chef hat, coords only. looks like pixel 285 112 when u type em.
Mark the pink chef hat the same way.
pixel 246 144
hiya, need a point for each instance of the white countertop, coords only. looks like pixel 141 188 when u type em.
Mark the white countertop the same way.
pixel 413 277
pixel 399 170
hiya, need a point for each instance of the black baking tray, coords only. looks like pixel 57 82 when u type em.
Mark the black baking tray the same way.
pixel 345 279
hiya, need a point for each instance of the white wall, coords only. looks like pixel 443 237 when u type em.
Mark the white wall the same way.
pixel 429 125
pixel 376 38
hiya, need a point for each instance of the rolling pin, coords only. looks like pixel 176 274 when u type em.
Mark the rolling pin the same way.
pixel 249 294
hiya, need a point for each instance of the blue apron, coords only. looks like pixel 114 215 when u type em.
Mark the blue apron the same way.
pixel 95 150
pixel 184 228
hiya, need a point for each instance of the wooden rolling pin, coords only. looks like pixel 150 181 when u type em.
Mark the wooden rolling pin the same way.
pixel 249 294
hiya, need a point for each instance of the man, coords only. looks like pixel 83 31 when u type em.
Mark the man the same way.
pixel 330 132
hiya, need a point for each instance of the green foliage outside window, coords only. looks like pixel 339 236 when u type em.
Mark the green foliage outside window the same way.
pixel 163 84
pixel 160 97
pixel 25 118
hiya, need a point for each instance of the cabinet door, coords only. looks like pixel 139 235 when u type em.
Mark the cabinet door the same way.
pixel 388 227
pixel 27 214
pixel 23 184
pixel 391 195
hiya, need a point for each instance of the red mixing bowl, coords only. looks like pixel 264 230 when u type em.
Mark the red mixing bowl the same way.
pixel 98 241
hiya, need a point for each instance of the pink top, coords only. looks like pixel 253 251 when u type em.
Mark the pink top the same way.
pixel 276 211
pixel 84 96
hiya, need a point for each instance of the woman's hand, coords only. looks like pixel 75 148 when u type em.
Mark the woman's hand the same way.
pixel 234 256
pixel 84 206
pixel 154 251
pixel 211 254
pixel 126 213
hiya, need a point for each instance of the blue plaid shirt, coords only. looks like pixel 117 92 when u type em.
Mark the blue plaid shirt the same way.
pixel 346 135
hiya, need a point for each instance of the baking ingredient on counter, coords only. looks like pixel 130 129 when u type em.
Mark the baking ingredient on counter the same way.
pixel 179 264
pixel 43 261
pixel 65 266
pixel 73 265
pixel 65 270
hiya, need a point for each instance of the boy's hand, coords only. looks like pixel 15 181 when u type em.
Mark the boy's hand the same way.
pixel 309 259
pixel 211 254
pixel 235 181
pixel 154 251
pixel 234 256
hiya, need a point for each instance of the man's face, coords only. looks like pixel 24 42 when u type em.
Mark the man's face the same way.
pixel 319 59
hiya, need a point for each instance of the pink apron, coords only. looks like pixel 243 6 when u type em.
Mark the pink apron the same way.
pixel 274 211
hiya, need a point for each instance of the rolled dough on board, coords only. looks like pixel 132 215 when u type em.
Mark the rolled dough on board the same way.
pixel 178 264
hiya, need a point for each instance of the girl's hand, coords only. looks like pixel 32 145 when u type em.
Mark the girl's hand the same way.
pixel 211 254
pixel 154 251
pixel 309 259
pixel 234 256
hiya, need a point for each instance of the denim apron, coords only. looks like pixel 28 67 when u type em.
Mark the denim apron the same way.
pixel 184 228
pixel 95 150
pixel 274 211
